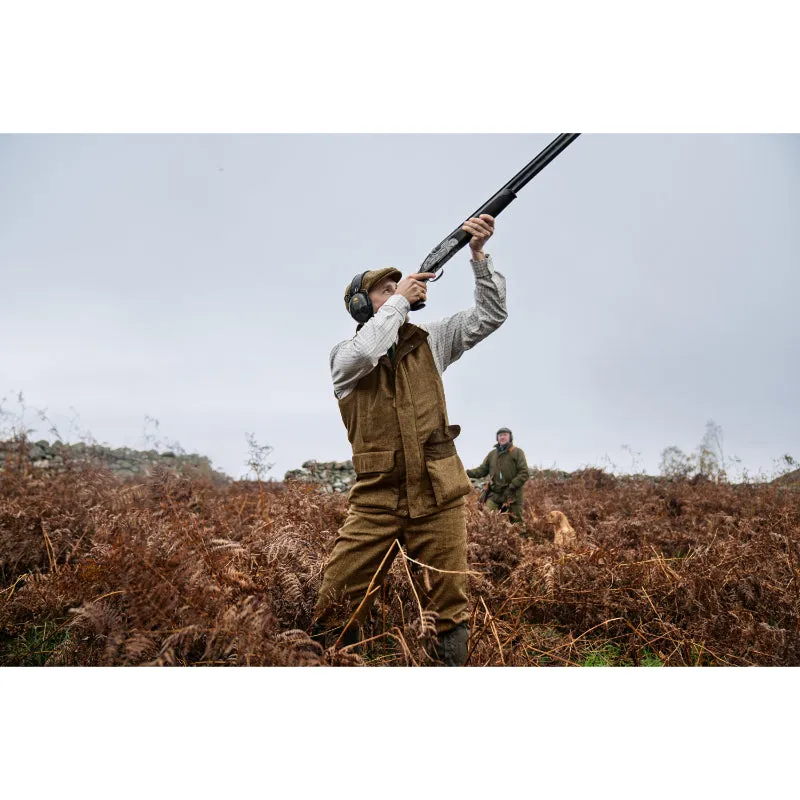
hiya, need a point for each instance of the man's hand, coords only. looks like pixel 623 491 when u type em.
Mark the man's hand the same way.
pixel 481 229
pixel 413 288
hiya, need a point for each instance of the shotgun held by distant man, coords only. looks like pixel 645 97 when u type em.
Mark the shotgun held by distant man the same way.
pixel 452 243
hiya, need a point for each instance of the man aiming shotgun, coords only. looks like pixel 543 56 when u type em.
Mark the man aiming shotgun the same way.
pixel 410 482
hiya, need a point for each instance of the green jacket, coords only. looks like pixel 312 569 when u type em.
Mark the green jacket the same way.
pixel 509 470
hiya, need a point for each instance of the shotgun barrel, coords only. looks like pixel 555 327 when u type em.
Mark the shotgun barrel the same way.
pixel 452 243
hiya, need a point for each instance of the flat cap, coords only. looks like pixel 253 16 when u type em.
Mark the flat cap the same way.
pixel 372 278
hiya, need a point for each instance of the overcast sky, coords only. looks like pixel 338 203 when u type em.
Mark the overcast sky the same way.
pixel 198 279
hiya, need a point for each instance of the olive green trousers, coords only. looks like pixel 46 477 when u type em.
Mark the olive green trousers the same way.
pixel 363 542
pixel 514 510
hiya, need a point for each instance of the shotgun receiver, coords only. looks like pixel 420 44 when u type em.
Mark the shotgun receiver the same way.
pixel 451 244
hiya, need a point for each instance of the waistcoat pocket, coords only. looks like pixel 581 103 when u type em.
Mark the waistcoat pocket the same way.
pixel 448 478
pixel 381 461
pixel 440 444
pixel 376 484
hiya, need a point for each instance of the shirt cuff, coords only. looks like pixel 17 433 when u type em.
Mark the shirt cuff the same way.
pixel 399 303
pixel 482 268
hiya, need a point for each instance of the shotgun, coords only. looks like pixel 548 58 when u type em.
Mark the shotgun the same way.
pixel 452 243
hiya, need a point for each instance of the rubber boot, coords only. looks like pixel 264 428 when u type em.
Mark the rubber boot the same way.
pixel 451 647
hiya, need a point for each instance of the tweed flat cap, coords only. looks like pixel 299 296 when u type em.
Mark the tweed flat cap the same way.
pixel 372 278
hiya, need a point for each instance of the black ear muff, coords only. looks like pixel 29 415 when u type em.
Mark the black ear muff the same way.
pixel 359 305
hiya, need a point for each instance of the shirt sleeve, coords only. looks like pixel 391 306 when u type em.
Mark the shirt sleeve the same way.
pixel 451 337
pixel 354 358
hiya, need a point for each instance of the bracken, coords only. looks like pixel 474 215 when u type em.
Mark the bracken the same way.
pixel 175 570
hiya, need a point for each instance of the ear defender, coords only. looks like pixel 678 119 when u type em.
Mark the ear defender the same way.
pixel 359 305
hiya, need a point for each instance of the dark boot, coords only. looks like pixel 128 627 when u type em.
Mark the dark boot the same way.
pixel 328 636
pixel 451 646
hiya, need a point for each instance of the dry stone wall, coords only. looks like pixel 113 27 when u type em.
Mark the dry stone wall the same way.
pixel 122 461
pixel 339 476
pixel 332 476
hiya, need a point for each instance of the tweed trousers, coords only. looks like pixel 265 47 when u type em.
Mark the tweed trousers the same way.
pixel 437 540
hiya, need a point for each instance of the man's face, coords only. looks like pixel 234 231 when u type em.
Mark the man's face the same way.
pixel 381 292
pixel 503 438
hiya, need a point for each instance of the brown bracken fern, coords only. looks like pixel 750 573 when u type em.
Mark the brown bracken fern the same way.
pixel 171 570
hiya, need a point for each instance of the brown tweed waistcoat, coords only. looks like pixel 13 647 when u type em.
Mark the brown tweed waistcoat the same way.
pixel 396 420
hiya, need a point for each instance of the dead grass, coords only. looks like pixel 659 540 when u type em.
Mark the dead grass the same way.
pixel 177 570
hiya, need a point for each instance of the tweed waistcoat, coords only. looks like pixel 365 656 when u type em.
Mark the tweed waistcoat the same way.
pixel 396 420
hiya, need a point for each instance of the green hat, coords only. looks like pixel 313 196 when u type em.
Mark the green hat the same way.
pixel 505 430
pixel 372 278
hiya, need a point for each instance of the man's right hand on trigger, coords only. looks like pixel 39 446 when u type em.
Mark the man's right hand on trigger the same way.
pixel 413 288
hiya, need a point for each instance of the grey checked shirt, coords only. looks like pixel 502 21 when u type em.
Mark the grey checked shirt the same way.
pixel 449 338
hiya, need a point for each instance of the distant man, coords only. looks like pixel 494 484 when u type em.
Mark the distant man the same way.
pixel 507 469
pixel 410 483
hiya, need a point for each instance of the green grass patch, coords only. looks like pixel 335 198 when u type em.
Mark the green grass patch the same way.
pixel 609 655
pixel 35 644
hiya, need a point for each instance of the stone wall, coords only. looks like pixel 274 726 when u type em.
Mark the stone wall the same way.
pixel 339 476
pixel 122 461
pixel 332 476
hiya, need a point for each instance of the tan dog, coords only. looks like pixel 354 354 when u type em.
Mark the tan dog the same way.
pixel 564 532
